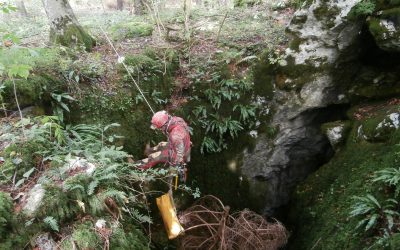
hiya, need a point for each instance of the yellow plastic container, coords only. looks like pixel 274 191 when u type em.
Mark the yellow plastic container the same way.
pixel 168 212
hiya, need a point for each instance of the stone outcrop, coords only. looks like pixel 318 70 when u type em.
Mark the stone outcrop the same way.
pixel 386 29
pixel 307 95
pixel 335 59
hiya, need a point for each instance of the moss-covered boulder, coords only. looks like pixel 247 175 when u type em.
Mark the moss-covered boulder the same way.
pixel 386 29
pixel 6 213
pixel 336 132
pixel 131 30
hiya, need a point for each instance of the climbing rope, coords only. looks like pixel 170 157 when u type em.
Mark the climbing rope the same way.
pixel 121 60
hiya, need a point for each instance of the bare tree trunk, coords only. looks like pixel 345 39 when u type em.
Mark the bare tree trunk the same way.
pixel 138 7
pixel 120 4
pixel 64 27
pixel 187 5
pixel 21 8
pixel 199 3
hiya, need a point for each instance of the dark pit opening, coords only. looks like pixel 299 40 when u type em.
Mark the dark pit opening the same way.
pixel 371 55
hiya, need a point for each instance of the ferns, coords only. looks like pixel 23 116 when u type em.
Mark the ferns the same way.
pixel 216 126
pixel 373 212
pixel 88 177
pixel 390 177
pixel 52 223
pixel 92 186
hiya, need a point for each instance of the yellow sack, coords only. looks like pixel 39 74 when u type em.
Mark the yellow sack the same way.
pixel 167 209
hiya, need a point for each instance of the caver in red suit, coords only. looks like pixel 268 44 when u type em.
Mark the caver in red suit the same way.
pixel 176 151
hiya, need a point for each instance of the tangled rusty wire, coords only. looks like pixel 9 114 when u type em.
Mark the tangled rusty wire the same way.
pixel 208 225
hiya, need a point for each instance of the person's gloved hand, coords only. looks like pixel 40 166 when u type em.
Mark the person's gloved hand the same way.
pixel 181 172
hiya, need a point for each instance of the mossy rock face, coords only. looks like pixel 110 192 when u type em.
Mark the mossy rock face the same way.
pixel 386 29
pixel 320 206
pixel 131 30
pixel 126 105
pixel 6 213
pixel 379 128
pixel 326 13
pixel 36 90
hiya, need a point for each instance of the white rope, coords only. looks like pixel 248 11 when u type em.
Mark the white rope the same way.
pixel 121 60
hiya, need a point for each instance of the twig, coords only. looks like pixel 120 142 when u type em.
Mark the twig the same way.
pixel 316 243
pixel 220 27
pixel 16 100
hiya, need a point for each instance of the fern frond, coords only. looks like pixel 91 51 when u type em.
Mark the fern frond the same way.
pixel 51 222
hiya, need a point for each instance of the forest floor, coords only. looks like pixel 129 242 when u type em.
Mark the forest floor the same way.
pixel 233 34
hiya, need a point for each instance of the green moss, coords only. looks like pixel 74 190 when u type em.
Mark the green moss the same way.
pixel 6 213
pixel 326 14
pixel 72 36
pixel 363 87
pixel 57 204
pixel 394 241
pixel 319 211
pixel 296 74
pixel 386 4
pixel 85 236
pixel 128 238
pixel 294 44
pixel 362 9
pixel 131 29
pixel 245 3
pixel 376 29
pixel 392 13
pixel 264 77
pixel 34 91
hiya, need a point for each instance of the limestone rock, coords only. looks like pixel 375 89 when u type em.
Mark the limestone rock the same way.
pixel 33 200
pixel 45 242
pixel 336 132
pixel 379 129
pixel 79 165
pixel 386 29
pixel 307 91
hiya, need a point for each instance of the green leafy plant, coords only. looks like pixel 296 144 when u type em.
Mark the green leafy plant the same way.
pixel 52 223
pixel 372 213
pixel 363 8
pixel 218 127
pixel 60 105
pixel 7 8
pixel 390 177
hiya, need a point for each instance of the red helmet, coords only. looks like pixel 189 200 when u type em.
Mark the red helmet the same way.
pixel 159 119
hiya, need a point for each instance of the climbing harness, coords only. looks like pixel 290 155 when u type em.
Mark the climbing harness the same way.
pixel 121 60
pixel 181 174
